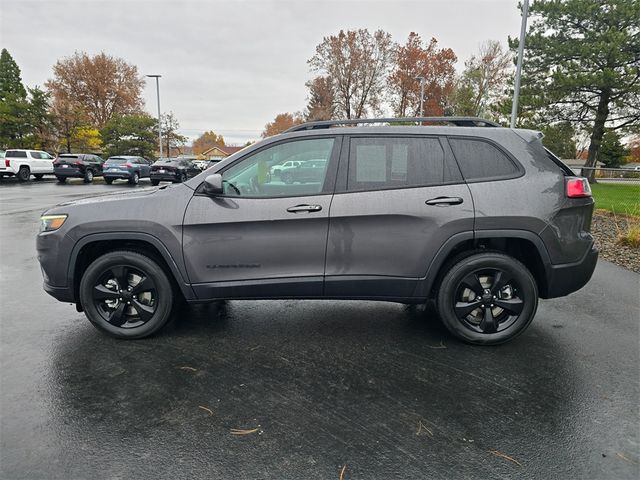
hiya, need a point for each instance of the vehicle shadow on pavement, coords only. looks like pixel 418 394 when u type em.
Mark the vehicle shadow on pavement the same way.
pixel 286 389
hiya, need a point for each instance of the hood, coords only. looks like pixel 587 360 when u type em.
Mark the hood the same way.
pixel 110 197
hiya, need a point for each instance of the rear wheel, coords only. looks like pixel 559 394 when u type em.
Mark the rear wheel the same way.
pixel 135 178
pixel 155 182
pixel 108 181
pixel 126 295
pixel 24 174
pixel 487 298
pixel 38 176
pixel 287 178
pixel 62 179
pixel 88 176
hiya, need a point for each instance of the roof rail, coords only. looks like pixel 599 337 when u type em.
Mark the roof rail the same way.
pixel 457 121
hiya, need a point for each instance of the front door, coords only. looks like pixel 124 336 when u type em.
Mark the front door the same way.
pixel 398 200
pixel 263 237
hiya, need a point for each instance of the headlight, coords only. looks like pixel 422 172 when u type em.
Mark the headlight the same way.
pixel 49 223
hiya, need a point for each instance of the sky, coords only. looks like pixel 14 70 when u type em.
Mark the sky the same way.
pixel 232 66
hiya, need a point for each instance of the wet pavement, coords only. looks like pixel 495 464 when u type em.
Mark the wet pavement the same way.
pixel 314 389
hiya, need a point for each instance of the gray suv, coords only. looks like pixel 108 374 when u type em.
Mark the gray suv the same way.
pixel 479 218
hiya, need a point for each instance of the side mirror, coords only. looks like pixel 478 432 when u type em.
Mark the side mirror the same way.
pixel 213 184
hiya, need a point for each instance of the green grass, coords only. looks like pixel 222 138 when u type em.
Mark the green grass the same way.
pixel 618 198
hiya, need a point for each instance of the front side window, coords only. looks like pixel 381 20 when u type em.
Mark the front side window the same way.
pixel 396 162
pixel 295 168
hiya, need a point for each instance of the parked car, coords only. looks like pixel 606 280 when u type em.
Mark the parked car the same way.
pixel 201 164
pixel 24 163
pixel 277 170
pixel 77 165
pixel 173 170
pixel 309 171
pixel 481 219
pixel 126 167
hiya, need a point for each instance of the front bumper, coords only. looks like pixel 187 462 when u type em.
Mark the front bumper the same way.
pixel 563 279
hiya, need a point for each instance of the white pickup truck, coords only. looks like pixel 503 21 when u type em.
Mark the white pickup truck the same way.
pixel 24 163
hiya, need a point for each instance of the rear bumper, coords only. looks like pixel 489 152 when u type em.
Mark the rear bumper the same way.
pixel 563 279
pixel 63 294
pixel 169 177
pixel 68 172
pixel 115 175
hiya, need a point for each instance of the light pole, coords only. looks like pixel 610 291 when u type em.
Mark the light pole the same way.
pixel 422 80
pixel 516 87
pixel 157 77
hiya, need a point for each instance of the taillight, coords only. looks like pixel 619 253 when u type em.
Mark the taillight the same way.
pixel 127 165
pixel 578 187
pixel 77 162
pixel 7 162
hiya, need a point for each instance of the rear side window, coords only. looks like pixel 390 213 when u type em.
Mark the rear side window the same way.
pixel 16 154
pixel 481 160
pixel 396 162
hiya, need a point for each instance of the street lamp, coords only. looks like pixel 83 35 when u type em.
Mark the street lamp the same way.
pixel 157 77
pixel 516 87
pixel 422 80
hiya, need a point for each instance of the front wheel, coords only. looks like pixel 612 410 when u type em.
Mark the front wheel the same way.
pixel 134 179
pixel 38 176
pixel 126 295
pixel 487 298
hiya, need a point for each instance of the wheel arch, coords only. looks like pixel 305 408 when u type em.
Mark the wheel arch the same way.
pixel 525 246
pixel 92 246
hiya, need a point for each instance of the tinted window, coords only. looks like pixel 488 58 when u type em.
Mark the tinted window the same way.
pixel 255 176
pixel 480 160
pixel 117 160
pixel 394 162
pixel 16 154
pixel 67 156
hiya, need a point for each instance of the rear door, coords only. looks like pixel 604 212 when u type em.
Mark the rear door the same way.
pixel 398 199
pixel 262 237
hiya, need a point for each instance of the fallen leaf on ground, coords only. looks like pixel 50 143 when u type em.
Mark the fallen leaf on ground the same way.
pixel 626 459
pixel 506 457
pixel 342 472
pixel 421 427
pixel 239 431
pixel 206 409
pixel 191 369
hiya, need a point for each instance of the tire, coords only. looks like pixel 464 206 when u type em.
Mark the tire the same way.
pixel 115 276
pixel 88 176
pixel 287 178
pixel 470 284
pixel 183 178
pixel 108 181
pixel 135 178
pixel 38 176
pixel 24 174
pixel 155 183
pixel 62 179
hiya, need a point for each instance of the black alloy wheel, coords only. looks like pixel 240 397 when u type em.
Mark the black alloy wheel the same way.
pixel 126 294
pixel 24 174
pixel 487 298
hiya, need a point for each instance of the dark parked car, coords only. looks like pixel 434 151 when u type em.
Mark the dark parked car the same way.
pixel 126 167
pixel 173 170
pixel 481 219
pixel 77 165
pixel 309 171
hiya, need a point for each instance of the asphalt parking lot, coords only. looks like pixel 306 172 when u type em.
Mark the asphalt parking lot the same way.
pixel 309 389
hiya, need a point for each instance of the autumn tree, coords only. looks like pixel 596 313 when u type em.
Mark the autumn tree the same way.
pixel 634 150
pixel 282 122
pixel 133 134
pixel 357 63
pixel 171 139
pixel 102 86
pixel 483 81
pixel 206 141
pixel 582 65
pixel 415 59
pixel 321 104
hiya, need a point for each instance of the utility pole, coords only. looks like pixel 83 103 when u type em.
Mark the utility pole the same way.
pixel 157 77
pixel 422 81
pixel 516 87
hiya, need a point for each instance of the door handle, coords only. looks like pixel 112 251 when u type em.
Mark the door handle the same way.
pixel 442 201
pixel 304 208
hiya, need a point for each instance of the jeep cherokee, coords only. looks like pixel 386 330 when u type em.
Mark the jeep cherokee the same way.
pixel 479 218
